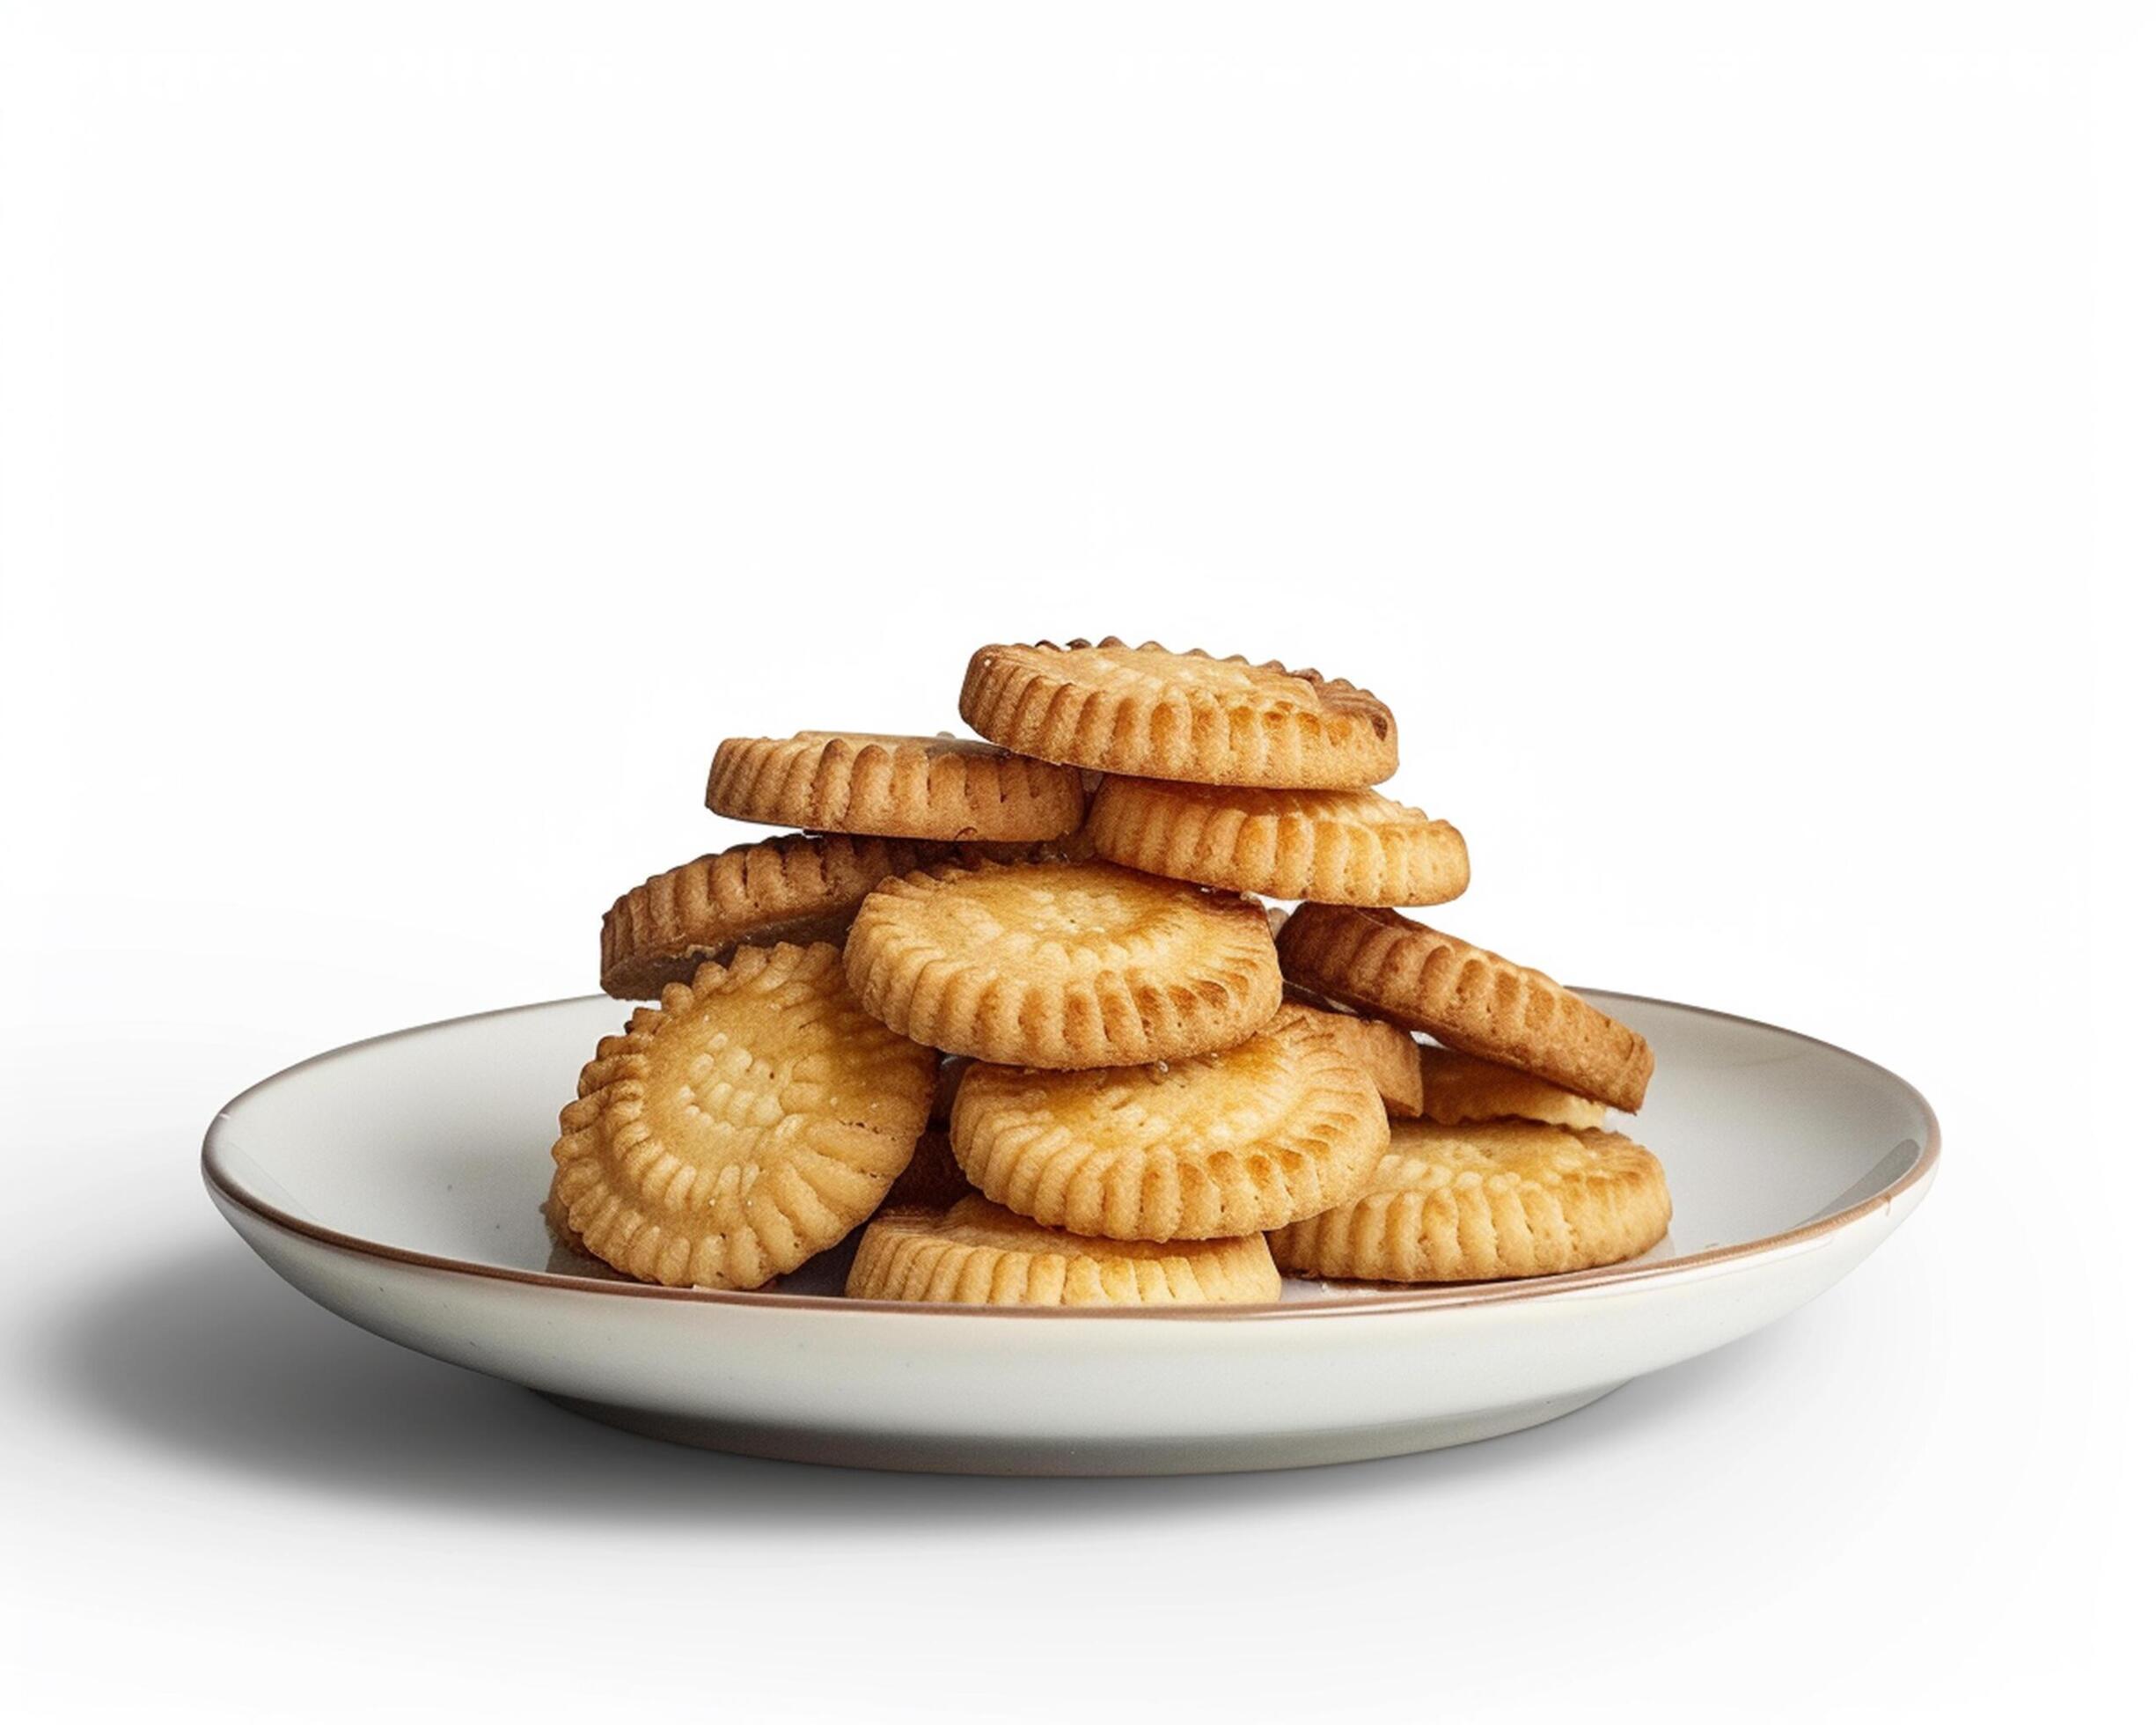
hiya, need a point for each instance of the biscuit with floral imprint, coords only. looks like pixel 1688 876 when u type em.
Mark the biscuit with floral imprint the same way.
pixel 977 1253
pixel 752 1119
pixel 1391 1057
pixel 945 788
pixel 1379 961
pixel 1155 714
pixel 1458 1089
pixel 1334 846
pixel 1062 964
pixel 1499 1200
pixel 1282 1126
pixel 801 888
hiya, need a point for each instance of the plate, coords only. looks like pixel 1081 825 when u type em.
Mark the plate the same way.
pixel 398 1183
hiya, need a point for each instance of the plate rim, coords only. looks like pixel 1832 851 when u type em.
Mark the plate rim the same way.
pixel 226 1187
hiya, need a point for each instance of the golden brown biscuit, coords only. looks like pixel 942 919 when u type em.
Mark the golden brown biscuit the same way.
pixel 897 787
pixel 1062 964
pixel 932 1180
pixel 1384 963
pixel 1160 714
pixel 1335 847
pixel 1458 1089
pixel 801 888
pixel 1391 1057
pixel 754 1117
pixel 1282 1126
pixel 978 1254
pixel 1510 1198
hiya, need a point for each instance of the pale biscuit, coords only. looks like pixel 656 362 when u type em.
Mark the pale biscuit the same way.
pixel 977 1253
pixel 802 888
pixel 1383 962
pixel 1458 1089
pixel 1160 714
pixel 754 1117
pixel 1062 964
pixel 1282 1126
pixel 1391 1057
pixel 894 786
pixel 1508 1197
pixel 1334 846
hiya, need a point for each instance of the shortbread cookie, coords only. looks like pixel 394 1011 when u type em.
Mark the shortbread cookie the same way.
pixel 1458 1089
pixel 1062 964
pixel 1335 847
pixel 1384 963
pixel 1391 1057
pixel 896 787
pixel 1282 1126
pixel 932 1180
pixel 801 888
pixel 754 1117
pixel 1160 714
pixel 1510 1198
pixel 978 1254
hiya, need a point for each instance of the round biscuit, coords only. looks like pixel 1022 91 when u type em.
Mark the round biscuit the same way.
pixel 1505 1199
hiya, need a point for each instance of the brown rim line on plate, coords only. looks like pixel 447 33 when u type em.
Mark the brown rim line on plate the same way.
pixel 1404 1297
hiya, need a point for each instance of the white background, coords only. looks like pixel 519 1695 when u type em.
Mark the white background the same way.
pixel 425 429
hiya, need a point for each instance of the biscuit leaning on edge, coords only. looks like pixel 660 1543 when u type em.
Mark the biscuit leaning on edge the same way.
pixel 1388 964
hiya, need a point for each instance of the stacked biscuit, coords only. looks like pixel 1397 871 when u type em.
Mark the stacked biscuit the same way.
pixel 1050 1047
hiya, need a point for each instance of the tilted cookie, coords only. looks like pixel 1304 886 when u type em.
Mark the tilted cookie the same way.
pixel 895 787
pixel 1458 1089
pixel 1391 1057
pixel 1062 964
pixel 1510 1198
pixel 1284 1125
pixel 1335 847
pixel 976 1253
pixel 801 888
pixel 1384 963
pixel 932 1180
pixel 1162 714
pixel 752 1119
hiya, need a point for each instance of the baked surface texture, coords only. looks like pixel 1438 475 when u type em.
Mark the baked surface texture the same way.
pixel 1282 1126
pixel 893 787
pixel 801 888
pixel 1062 964
pixel 752 1119
pixel 1458 1089
pixel 1391 1057
pixel 1334 846
pixel 1382 962
pixel 1160 714
pixel 976 1253
pixel 1511 1197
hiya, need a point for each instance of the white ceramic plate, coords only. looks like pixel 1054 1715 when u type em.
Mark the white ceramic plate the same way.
pixel 398 1182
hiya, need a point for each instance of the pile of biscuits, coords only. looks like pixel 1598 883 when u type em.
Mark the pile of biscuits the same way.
pixel 1018 1005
